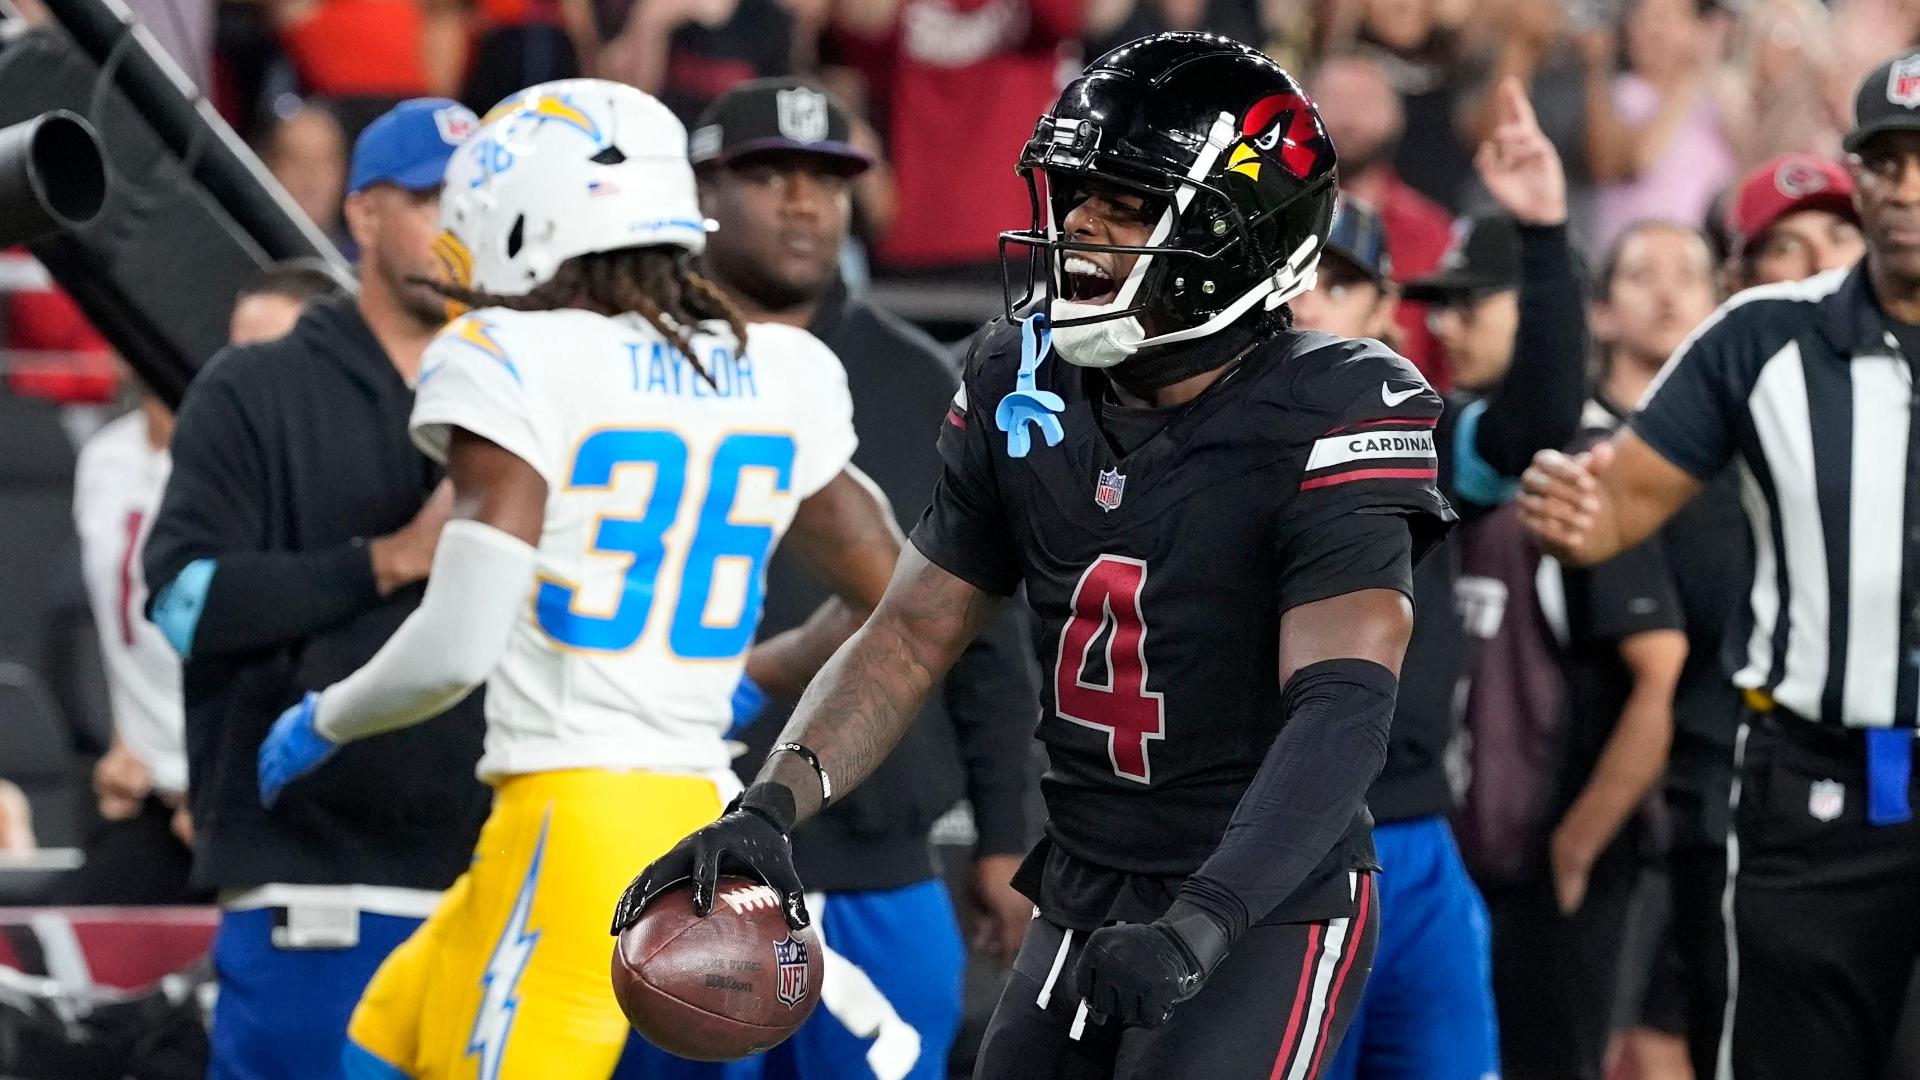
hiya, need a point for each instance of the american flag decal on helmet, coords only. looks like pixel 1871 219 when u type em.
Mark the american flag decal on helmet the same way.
pixel 791 988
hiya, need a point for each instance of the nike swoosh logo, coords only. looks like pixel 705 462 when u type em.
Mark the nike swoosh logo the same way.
pixel 1394 397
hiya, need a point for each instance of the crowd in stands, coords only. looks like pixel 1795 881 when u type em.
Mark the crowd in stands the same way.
pixel 1698 139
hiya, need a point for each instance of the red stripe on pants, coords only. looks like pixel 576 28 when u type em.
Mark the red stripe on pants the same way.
pixel 1354 932
pixel 1299 1000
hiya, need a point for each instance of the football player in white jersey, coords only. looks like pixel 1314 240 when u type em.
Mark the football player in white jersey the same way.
pixel 625 454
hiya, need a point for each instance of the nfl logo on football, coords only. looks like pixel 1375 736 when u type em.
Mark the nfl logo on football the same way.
pixel 1903 82
pixel 1106 493
pixel 791 989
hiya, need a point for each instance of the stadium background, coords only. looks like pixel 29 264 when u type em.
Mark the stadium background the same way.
pixel 947 90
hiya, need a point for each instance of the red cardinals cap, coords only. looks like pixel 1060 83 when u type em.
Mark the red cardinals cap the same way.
pixel 1787 183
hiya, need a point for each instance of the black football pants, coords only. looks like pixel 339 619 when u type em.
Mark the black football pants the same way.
pixel 1275 1007
pixel 1824 909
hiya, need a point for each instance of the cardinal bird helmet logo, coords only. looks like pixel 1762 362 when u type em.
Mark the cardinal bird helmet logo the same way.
pixel 1282 128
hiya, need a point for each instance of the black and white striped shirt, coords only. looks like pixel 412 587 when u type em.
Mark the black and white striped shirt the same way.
pixel 1805 385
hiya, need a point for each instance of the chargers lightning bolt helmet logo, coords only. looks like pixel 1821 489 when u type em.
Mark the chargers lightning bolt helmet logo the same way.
pixel 539 108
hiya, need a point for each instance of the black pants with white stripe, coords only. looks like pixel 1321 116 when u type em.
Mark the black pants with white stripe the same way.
pixel 1275 1007
pixel 1824 908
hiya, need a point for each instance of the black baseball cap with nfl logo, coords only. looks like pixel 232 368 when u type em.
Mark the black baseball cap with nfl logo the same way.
pixel 1888 100
pixel 767 116
pixel 1484 258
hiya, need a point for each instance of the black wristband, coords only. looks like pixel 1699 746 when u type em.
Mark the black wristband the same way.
pixel 1202 933
pixel 772 801
pixel 826 782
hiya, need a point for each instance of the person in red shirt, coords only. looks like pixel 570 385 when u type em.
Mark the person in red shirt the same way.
pixel 1363 115
pixel 963 80
pixel 356 48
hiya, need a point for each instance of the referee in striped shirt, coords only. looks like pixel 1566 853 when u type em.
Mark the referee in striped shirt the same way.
pixel 1808 388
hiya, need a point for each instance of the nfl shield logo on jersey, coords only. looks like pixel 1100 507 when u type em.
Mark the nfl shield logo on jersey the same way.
pixel 1903 82
pixel 1825 799
pixel 791 990
pixel 1107 492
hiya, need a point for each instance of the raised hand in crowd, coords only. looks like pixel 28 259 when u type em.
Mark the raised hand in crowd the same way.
pixel 1518 164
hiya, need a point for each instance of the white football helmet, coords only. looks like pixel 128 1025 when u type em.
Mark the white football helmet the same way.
pixel 562 169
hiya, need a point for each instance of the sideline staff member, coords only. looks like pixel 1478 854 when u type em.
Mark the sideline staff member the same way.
pixel 1810 386
pixel 289 546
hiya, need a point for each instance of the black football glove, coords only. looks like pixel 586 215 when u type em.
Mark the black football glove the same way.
pixel 750 839
pixel 1137 972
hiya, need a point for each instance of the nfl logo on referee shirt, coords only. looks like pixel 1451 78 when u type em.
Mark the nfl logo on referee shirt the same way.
pixel 1826 799
pixel 1107 492
pixel 791 989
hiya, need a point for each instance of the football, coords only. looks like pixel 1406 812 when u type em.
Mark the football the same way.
pixel 734 983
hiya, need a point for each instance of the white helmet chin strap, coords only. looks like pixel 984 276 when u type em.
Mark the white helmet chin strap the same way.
pixel 1109 342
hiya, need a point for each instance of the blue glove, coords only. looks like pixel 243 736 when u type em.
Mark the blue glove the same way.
pixel 292 749
pixel 749 701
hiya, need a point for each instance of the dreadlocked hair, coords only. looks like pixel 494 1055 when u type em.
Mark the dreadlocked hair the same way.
pixel 657 283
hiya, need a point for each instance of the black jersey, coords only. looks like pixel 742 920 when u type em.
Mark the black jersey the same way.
pixel 1159 576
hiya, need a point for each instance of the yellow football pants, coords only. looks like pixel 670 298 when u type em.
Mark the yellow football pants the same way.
pixel 508 979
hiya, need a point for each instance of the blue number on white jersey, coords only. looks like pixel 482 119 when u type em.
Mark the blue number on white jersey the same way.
pixel 641 540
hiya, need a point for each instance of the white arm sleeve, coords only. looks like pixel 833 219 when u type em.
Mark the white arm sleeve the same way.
pixel 449 645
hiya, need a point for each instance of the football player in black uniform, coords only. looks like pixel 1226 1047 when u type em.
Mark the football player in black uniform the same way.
pixel 1216 519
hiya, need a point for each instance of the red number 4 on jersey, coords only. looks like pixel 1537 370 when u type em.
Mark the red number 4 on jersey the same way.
pixel 1108 598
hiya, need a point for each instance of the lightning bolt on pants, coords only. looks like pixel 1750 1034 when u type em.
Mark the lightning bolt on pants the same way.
pixel 507 980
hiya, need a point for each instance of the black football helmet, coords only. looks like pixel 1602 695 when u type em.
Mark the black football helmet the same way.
pixel 1234 164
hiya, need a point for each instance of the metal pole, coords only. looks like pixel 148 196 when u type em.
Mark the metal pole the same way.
pixel 187 123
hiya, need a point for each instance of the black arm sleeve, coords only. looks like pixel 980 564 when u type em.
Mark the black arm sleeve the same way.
pixel 1334 742
pixel 1306 794
pixel 215 508
pixel 1537 406
pixel 993 699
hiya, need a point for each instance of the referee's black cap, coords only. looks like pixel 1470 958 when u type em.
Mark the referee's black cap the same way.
pixel 1888 100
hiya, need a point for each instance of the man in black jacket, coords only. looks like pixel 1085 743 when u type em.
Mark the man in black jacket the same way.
pixel 775 167
pixel 295 530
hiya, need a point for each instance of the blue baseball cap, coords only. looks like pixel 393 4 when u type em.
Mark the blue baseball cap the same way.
pixel 409 145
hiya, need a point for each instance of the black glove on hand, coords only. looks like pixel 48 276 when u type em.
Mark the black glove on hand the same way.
pixel 749 839
pixel 1137 972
